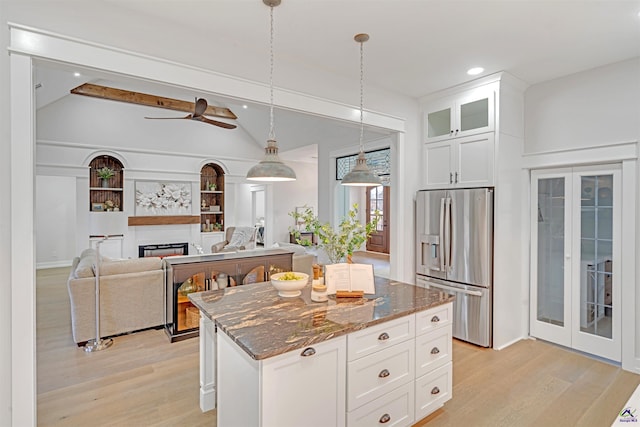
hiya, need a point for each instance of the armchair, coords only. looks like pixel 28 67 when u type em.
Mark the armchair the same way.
pixel 236 238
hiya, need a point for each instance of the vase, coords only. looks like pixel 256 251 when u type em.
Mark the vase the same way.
pixel 105 183
pixel 187 287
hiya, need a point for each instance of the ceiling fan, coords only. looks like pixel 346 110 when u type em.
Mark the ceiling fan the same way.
pixel 198 115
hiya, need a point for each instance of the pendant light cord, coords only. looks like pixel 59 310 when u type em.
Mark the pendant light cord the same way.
pixel 361 96
pixel 272 132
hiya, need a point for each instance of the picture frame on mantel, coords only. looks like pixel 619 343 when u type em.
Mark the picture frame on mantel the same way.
pixel 162 198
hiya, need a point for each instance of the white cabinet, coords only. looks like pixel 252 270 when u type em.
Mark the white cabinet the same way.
pixel 467 114
pixel 303 387
pixel 405 373
pixel 387 374
pixel 393 409
pixel 381 374
pixel 459 162
pixel 434 369
pixel 433 390
pixel 377 374
pixel 379 337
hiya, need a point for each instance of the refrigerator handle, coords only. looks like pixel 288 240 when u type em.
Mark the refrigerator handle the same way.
pixel 446 224
pixel 452 223
pixel 450 289
pixel 443 242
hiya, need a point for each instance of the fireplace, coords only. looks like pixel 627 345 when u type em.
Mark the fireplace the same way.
pixel 163 250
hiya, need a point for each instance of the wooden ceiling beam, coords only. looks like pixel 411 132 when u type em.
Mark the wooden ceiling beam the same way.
pixel 105 92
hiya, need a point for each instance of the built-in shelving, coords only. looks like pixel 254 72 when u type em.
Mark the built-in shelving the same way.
pixel 211 194
pixel 106 195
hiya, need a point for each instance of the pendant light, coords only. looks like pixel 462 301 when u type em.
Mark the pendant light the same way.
pixel 271 167
pixel 361 175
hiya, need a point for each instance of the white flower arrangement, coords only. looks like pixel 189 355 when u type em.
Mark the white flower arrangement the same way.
pixel 163 198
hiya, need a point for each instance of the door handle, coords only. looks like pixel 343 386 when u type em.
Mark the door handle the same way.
pixel 442 255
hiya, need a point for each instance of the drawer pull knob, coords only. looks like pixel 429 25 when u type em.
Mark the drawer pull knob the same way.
pixel 435 390
pixel 435 319
pixel 309 351
pixel 435 350
pixel 385 419
pixel 384 373
pixel 383 336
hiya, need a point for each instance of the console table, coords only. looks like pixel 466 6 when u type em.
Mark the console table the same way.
pixel 182 317
pixel 304 236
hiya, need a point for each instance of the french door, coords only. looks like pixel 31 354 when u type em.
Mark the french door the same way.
pixel 576 258
pixel 378 200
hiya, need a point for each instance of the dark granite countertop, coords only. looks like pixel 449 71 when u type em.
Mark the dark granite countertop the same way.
pixel 266 325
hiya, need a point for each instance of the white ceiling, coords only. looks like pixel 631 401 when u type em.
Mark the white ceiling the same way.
pixel 417 46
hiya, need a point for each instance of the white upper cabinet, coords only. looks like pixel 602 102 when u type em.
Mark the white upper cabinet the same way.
pixel 459 162
pixel 456 116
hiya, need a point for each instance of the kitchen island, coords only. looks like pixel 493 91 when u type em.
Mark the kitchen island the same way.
pixel 385 358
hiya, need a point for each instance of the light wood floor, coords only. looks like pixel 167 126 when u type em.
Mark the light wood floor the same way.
pixel 143 380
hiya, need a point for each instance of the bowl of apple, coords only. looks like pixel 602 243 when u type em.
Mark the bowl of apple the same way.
pixel 289 283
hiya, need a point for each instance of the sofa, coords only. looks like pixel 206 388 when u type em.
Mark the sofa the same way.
pixel 131 295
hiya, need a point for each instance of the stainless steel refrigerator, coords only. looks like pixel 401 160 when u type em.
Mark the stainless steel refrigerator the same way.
pixel 454 253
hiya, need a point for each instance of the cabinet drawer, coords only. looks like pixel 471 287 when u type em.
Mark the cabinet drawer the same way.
pixel 434 318
pixel 378 337
pixel 375 375
pixel 394 409
pixel 433 390
pixel 433 350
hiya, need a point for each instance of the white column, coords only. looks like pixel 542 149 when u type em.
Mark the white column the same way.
pixel 207 364
pixel 23 320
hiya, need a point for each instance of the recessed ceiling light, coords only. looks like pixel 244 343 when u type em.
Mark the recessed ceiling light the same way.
pixel 475 71
pixel 76 74
pixel 245 106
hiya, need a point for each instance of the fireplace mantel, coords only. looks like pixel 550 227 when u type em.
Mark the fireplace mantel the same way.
pixel 163 220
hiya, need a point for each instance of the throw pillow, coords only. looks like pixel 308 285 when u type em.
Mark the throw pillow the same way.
pixel 85 267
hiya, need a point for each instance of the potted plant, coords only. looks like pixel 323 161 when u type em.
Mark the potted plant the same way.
pixel 337 243
pixel 105 173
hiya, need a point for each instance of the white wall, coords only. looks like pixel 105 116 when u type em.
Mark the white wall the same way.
pixel 55 220
pixel 596 107
pixel 286 197
pixel 5 226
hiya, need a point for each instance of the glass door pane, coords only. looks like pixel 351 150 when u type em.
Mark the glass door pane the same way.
pixel 439 123
pixel 596 255
pixel 551 241
pixel 474 115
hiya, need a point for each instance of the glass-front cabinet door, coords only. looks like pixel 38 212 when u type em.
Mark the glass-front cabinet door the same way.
pixel 575 292
pixel 468 114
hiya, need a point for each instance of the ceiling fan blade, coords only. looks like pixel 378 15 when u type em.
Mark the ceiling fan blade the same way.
pixel 215 122
pixel 201 107
pixel 190 116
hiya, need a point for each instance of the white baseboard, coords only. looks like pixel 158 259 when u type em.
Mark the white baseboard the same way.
pixel 207 400
pixel 53 264
pixel 505 345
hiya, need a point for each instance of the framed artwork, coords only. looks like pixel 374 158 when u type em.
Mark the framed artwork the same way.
pixel 97 207
pixel 163 198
